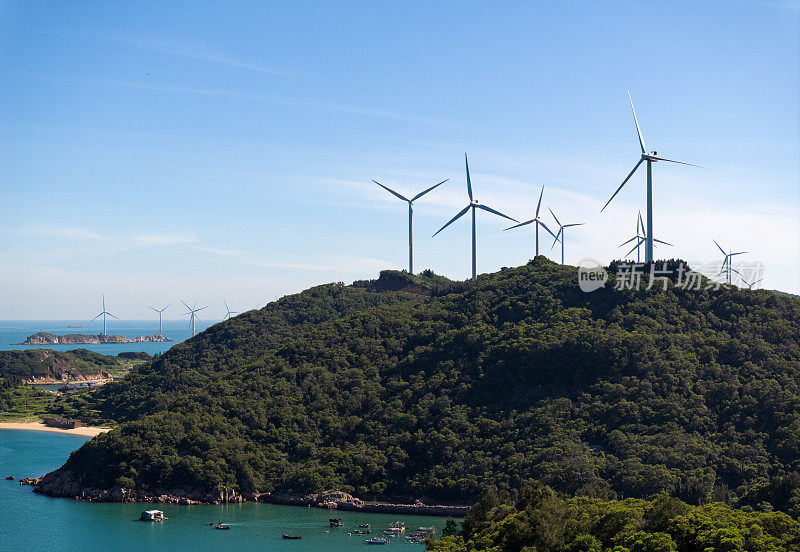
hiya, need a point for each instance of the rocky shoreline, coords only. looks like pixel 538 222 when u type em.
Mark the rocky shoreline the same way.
pixel 59 485
pixel 44 338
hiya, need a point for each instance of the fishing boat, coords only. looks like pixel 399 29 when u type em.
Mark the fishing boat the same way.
pixel 377 540
pixel 335 522
pixel 293 537
pixel 363 531
pixel 364 525
pixel 222 526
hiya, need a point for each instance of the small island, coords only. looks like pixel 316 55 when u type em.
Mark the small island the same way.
pixel 44 338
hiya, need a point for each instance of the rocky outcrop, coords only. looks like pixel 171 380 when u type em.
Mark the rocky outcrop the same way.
pixel 69 376
pixel 60 484
pixel 44 338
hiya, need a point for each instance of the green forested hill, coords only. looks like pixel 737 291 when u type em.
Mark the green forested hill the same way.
pixel 442 391
pixel 46 363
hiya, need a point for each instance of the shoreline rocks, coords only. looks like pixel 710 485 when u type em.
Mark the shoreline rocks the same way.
pixel 44 338
pixel 60 485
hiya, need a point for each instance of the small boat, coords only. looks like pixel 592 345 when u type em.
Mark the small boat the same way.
pixel 222 526
pixel 210 523
pixel 9 478
pixel 377 540
pixel 363 531
pixel 335 522
pixel 364 525
pixel 293 537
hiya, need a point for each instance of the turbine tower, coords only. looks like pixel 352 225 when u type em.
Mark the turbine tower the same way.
pixel 537 221
pixel 193 314
pixel 640 239
pixel 103 314
pixel 160 330
pixel 230 312
pixel 473 204
pixel 410 216
pixel 650 158
pixel 562 233
pixel 727 266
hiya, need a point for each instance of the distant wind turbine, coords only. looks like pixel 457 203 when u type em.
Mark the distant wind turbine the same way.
pixel 160 330
pixel 640 239
pixel 473 204
pixel 727 266
pixel 230 312
pixel 410 216
pixel 751 284
pixel 562 233
pixel 650 158
pixel 537 221
pixel 103 314
pixel 193 314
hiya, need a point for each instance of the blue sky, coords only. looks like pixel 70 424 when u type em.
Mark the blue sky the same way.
pixel 164 150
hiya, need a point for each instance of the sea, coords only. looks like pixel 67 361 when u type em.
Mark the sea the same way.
pixel 13 332
pixel 34 522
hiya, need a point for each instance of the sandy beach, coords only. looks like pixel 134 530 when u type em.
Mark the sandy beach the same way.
pixel 39 426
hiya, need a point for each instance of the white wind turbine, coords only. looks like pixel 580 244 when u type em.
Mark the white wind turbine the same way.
pixel 193 314
pixel 727 266
pixel 537 221
pixel 230 312
pixel 160 330
pixel 562 233
pixel 103 314
pixel 650 158
pixel 640 239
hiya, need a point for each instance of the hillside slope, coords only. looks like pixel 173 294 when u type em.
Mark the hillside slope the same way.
pixel 442 392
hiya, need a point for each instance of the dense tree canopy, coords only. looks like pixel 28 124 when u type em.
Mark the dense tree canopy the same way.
pixel 416 386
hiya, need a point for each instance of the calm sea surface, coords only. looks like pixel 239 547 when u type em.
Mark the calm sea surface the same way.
pixel 34 522
pixel 15 331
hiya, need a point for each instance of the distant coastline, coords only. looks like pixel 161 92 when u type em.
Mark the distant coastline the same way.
pixel 45 338
pixel 86 431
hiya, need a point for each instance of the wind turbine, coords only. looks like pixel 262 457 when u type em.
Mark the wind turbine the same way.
pixel 537 221
pixel 193 312
pixel 561 232
pixel 650 158
pixel 160 330
pixel 640 239
pixel 751 284
pixel 230 312
pixel 103 314
pixel 410 216
pixel 473 204
pixel 726 264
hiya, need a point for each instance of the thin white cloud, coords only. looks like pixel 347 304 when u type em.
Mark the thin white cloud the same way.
pixel 197 51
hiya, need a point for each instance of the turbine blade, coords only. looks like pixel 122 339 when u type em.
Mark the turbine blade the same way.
pixel 469 182
pixel 201 308
pixel 678 162
pixel 629 241
pixel 390 191
pixel 540 202
pixel 452 220
pixel 574 224
pixel 185 305
pixel 226 305
pixel 165 308
pixel 555 217
pixel 546 228
pixel 490 210
pixel 111 315
pixel 419 195
pixel 520 224
pixel 96 317
pixel 151 308
pixel 641 223
pixel 720 248
pixel 635 246
pixel 659 241
pixel 630 174
pixel 636 120
pixel 555 241
pixel 739 253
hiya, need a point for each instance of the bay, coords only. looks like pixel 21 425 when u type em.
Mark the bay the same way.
pixel 34 522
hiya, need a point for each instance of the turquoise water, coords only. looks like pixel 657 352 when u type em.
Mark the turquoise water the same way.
pixel 34 522
pixel 15 331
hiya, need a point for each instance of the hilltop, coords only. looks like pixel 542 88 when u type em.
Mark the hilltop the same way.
pixel 419 387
